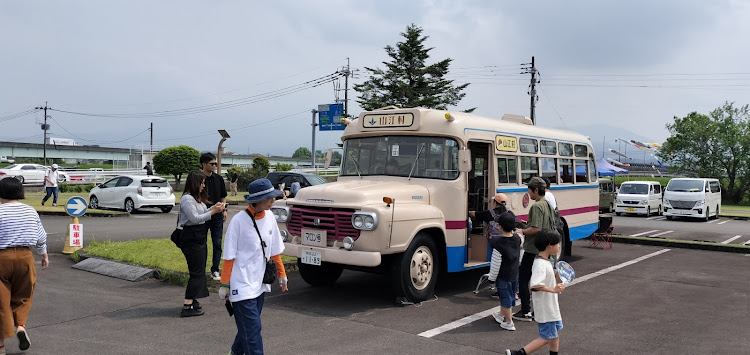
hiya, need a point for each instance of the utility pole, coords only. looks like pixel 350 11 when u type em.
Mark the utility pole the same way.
pixel 152 138
pixel 45 128
pixel 314 111
pixel 532 88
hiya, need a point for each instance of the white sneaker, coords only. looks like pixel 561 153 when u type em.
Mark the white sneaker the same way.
pixel 498 318
pixel 216 276
pixel 508 326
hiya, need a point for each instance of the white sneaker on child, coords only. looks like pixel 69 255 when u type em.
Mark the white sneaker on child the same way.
pixel 498 318
pixel 507 326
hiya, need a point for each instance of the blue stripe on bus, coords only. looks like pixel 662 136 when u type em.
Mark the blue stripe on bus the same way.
pixel 563 187
pixel 457 255
pixel 530 136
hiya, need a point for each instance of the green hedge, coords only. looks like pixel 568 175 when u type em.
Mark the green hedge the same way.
pixel 76 188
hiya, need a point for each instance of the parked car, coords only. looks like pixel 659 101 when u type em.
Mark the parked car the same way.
pixel 133 192
pixel 289 177
pixel 30 173
pixel 639 197
pixel 606 195
pixel 4 159
pixel 699 198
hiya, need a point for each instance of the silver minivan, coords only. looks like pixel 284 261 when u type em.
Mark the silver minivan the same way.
pixel 697 198
pixel 639 197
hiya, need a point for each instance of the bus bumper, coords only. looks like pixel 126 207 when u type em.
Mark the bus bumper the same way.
pixel 338 256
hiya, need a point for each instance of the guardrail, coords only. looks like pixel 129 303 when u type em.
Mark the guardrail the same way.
pixel 88 176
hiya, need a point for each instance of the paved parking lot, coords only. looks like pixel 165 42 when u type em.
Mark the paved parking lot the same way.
pixel 632 299
pixel 720 230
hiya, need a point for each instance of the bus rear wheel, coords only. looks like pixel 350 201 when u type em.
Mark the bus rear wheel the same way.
pixel 314 275
pixel 414 273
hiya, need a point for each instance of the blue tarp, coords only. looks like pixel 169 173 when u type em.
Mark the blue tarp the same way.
pixel 603 167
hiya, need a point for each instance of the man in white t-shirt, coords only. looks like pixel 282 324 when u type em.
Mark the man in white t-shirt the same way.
pixel 50 184
pixel 548 195
pixel 245 256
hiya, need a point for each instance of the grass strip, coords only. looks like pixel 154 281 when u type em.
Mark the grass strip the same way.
pixel 161 255
pixel 34 199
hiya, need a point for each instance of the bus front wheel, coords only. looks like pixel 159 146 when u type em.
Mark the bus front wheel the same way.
pixel 414 273
pixel 315 275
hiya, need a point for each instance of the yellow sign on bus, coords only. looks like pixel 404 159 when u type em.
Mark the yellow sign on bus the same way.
pixel 506 144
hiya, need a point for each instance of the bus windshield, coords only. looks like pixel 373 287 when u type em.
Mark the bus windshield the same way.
pixel 436 157
pixel 634 189
pixel 685 185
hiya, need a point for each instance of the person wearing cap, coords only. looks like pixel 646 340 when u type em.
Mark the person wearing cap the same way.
pixel 541 216
pixel 50 184
pixel 193 216
pixel 501 206
pixel 245 254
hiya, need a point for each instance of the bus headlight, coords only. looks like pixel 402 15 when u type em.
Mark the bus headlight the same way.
pixel 348 243
pixel 281 213
pixel 365 221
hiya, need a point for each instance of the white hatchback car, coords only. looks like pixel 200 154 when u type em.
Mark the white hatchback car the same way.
pixel 30 173
pixel 133 192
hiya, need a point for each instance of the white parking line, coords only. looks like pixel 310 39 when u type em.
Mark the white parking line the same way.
pixel 653 218
pixel 640 234
pixel 713 221
pixel 475 317
pixel 746 243
pixel 662 233
pixel 725 221
pixel 731 239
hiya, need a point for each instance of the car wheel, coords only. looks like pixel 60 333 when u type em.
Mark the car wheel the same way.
pixel 129 205
pixel 708 215
pixel 611 208
pixel 166 209
pixel 315 275
pixel 717 212
pixel 93 202
pixel 660 212
pixel 648 211
pixel 61 179
pixel 669 218
pixel 20 178
pixel 414 273
pixel 617 213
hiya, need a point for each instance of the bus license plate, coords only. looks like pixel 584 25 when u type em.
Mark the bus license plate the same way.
pixel 314 237
pixel 631 209
pixel 311 257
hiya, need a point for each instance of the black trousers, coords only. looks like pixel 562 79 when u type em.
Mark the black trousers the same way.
pixel 524 277
pixel 193 245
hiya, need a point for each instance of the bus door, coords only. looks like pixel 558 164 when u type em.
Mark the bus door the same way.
pixel 479 194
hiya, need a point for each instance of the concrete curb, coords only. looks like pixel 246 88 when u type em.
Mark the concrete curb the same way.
pixel 735 216
pixel 699 245
pixel 89 214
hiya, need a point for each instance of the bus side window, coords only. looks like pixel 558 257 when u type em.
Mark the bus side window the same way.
pixel 581 169
pixel 566 171
pixel 549 169
pixel 506 171
pixel 529 168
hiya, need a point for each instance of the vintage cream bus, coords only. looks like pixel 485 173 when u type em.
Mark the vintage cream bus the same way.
pixel 408 179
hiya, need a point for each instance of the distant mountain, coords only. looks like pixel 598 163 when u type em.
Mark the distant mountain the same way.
pixel 605 135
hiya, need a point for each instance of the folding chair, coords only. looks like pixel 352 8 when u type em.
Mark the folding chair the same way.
pixel 482 280
pixel 603 235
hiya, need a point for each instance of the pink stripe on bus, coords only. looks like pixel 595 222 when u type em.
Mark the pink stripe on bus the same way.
pixel 568 212
pixel 456 224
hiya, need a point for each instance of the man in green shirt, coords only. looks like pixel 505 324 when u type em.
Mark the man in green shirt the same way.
pixel 540 217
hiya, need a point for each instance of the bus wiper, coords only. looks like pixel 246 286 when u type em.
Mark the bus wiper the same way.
pixel 356 166
pixel 421 148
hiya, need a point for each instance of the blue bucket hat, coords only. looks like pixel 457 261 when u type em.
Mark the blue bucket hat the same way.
pixel 261 190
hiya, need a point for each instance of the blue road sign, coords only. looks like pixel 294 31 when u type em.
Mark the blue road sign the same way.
pixel 76 206
pixel 329 117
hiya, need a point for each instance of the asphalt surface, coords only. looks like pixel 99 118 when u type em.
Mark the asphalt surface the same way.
pixel 716 230
pixel 632 299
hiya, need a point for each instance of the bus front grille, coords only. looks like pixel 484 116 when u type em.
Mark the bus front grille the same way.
pixel 336 222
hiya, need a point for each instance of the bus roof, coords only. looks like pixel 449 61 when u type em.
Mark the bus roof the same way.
pixel 463 126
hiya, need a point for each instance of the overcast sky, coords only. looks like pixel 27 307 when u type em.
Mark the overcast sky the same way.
pixel 631 65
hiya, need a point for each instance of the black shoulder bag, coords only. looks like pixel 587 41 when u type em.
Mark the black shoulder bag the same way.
pixel 270 275
pixel 177 233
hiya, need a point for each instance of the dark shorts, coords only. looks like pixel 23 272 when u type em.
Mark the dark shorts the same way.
pixel 549 330
pixel 506 291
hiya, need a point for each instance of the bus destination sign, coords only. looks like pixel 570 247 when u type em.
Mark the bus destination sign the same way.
pixel 387 121
pixel 506 144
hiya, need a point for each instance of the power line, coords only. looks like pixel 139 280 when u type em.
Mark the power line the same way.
pixel 553 107
pixel 97 142
pixel 217 106
pixel 241 128
pixel 17 115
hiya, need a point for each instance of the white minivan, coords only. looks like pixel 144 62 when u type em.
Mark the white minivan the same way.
pixel 639 197
pixel 700 198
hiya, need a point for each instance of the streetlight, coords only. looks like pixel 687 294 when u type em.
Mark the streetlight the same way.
pixel 224 136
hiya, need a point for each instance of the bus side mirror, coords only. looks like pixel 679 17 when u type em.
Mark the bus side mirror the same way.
pixel 329 155
pixel 464 160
